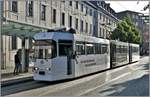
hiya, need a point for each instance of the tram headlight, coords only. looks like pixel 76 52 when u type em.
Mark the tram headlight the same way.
pixel 36 68
pixel 48 69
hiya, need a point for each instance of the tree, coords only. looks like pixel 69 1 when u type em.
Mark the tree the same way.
pixel 126 31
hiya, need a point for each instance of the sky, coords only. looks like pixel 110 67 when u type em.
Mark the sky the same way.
pixel 129 5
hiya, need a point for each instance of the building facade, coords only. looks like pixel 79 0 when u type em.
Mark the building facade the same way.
pixel 106 19
pixel 22 18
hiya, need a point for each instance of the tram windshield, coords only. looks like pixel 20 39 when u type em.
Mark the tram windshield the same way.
pixel 45 49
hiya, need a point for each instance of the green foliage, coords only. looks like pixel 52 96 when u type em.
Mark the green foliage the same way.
pixel 126 31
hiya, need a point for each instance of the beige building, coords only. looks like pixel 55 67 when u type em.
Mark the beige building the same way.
pixel 23 18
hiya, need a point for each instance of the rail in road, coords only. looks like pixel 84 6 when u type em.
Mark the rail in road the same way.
pixel 13 87
pixel 80 85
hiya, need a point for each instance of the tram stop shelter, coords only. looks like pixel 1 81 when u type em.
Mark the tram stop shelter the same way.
pixel 23 31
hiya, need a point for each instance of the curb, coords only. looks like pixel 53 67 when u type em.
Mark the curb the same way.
pixel 16 81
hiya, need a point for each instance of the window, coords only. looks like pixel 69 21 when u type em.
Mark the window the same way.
pixel 82 7
pixel 76 23
pixel 63 1
pixel 86 10
pixel 100 31
pixel 70 3
pixel 103 33
pixel 47 49
pixel 65 47
pixel 104 48
pixel 63 18
pixel 14 42
pixel 54 16
pixel 89 48
pixel 100 16
pixel 14 6
pixel 70 21
pixel 90 28
pixel 81 26
pixel 98 48
pixel 43 12
pixel 77 5
pixel 29 8
pixel 86 28
pixel 107 20
pixel 91 12
pixel 80 48
pixel 103 18
pixel 133 16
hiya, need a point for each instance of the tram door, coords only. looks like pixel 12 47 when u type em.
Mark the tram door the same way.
pixel 66 49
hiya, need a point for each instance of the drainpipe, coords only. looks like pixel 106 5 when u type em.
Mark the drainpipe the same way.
pixel 1 59
pixel 23 55
pixel 149 29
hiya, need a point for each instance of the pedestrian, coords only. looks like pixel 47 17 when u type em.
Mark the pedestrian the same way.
pixel 17 64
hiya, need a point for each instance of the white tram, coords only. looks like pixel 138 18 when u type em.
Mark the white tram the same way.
pixel 134 52
pixel 63 55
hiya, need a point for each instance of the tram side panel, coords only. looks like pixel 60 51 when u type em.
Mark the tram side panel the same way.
pixel 55 69
pixel 90 63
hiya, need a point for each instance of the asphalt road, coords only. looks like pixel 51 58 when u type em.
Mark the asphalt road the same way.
pixel 130 80
pixel 136 83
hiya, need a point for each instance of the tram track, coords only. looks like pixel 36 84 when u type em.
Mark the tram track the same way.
pixel 27 84
pixel 30 84
pixel 21 86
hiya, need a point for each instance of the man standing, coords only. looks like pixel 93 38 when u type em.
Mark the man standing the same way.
pixel 17 64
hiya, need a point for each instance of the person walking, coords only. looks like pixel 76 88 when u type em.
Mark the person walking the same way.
pixel 17 64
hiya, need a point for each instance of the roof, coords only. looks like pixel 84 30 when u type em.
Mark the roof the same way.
pixel 54 35
pixel 68 36
pixel 19 29
pixel 129 11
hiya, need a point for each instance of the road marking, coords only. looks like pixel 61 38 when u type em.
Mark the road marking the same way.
pixel 89 90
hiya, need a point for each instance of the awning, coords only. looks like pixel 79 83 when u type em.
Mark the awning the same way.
pixel 22 30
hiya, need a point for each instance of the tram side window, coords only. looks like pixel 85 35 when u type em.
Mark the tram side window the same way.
pixel 80 49
pixel 104 48
pixel 120 49
pixel 98 48
pixel 65 47
pixel 90 48
pixel 134 49
pixel 125 49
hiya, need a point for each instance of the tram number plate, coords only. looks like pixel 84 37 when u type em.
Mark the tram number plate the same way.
pixel 41 72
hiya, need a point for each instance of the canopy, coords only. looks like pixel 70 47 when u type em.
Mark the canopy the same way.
pixel 22 30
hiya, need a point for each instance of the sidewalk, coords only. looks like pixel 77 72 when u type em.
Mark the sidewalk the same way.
pixel 8 78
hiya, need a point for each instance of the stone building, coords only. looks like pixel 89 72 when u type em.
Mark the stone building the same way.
pixel 106 19
pixel 23 18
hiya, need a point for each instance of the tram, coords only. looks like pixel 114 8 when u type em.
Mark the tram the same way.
pixel 63 55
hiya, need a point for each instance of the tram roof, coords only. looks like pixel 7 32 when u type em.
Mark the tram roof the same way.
pixel 54 35
pixel 68 36
pixel 116 42
pixel 135 45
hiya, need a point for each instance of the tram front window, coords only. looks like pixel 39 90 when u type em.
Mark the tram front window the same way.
pixel 45 49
